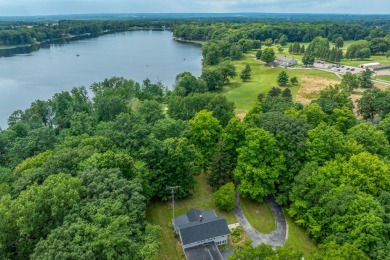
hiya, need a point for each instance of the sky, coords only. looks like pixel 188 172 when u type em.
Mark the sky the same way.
pixel 52 7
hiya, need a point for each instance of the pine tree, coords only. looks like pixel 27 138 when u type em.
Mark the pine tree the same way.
pixel 221 167
pixel 286 93
pixel 290 49
pixel 246 73
pixel 282 78
pixel 303 49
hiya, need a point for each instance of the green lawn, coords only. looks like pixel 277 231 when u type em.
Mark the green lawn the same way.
pixel 383 77
pixel 259 215
pixel 160 213
pixel 297 237
pixel 244 94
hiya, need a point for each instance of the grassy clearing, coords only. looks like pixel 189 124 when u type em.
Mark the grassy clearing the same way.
pixel 311 87
pixel 383 77
pixel 297 237
pixel 160 213
pixel 244 94
pixel 259 215
pixel 375 58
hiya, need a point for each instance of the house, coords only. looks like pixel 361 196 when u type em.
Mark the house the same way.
pixel 200 233
pixel 285 62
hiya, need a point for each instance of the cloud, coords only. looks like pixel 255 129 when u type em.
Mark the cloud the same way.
pixel 32 7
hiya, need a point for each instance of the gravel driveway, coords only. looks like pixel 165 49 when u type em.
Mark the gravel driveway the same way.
pixel 274 239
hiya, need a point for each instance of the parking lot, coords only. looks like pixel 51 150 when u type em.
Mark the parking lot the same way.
pixel 336 68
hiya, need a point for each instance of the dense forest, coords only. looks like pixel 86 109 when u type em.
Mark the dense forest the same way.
pixel 77 171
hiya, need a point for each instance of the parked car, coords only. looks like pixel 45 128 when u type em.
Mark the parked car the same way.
pixel 352 69
pixel 342 66
pixel 347 68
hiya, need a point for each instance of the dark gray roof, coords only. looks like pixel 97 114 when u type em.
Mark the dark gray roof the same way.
pixel 201 230
pixel 285 59
pixel 207 251
pixel 193 215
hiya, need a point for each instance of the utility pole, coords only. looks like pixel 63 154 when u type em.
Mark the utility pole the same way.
pixel 173 199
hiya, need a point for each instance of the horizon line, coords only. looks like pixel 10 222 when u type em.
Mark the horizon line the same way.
pixel 199 13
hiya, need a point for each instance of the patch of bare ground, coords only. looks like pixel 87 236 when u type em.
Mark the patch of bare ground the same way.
pixel 311 87
pixel 355 97
pixel 241 116
pixel 382 87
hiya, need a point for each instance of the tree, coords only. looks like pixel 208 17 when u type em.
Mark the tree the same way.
pixel 333 251
pixel 186 83
pixel 236 51
pixel 283 40
pixel 307 60
pixel 286 93
pixel 246 73
pixel 334 97
pixel 293 80
pixel 290 134
pixel 228 70
pixel 211 53
pixel 185 108
pixel 151 111
pixel 282 78
pixel 268 55
pixel 221 166
pixel 280 49
pixel 205 132
pixel 259 164
pixel 173 161
pixel 213 78
pixel 339 42
pixel 258 54
pixel 268 42
pixel 323 143
pixel 384 125
pixel 373 140
pixel 314 114
pixel 343 119
pixel 349 82
pixel 39 209
pixel 264 251
pixel 365 80
pixel 225 197
pixel 109 223
pixel 368 103
pixel 364 53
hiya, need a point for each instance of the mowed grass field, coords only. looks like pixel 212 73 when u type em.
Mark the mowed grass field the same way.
pixel 264 77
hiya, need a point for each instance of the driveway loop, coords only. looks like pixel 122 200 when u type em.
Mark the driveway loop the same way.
pixel 274 239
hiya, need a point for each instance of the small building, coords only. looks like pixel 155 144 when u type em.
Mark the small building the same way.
pixel 285 62
pixel 369 65
pixel 201 231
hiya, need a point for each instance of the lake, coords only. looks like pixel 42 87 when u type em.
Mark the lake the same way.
pixel 134 55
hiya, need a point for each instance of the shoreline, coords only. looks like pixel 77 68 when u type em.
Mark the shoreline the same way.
pixel 188 41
